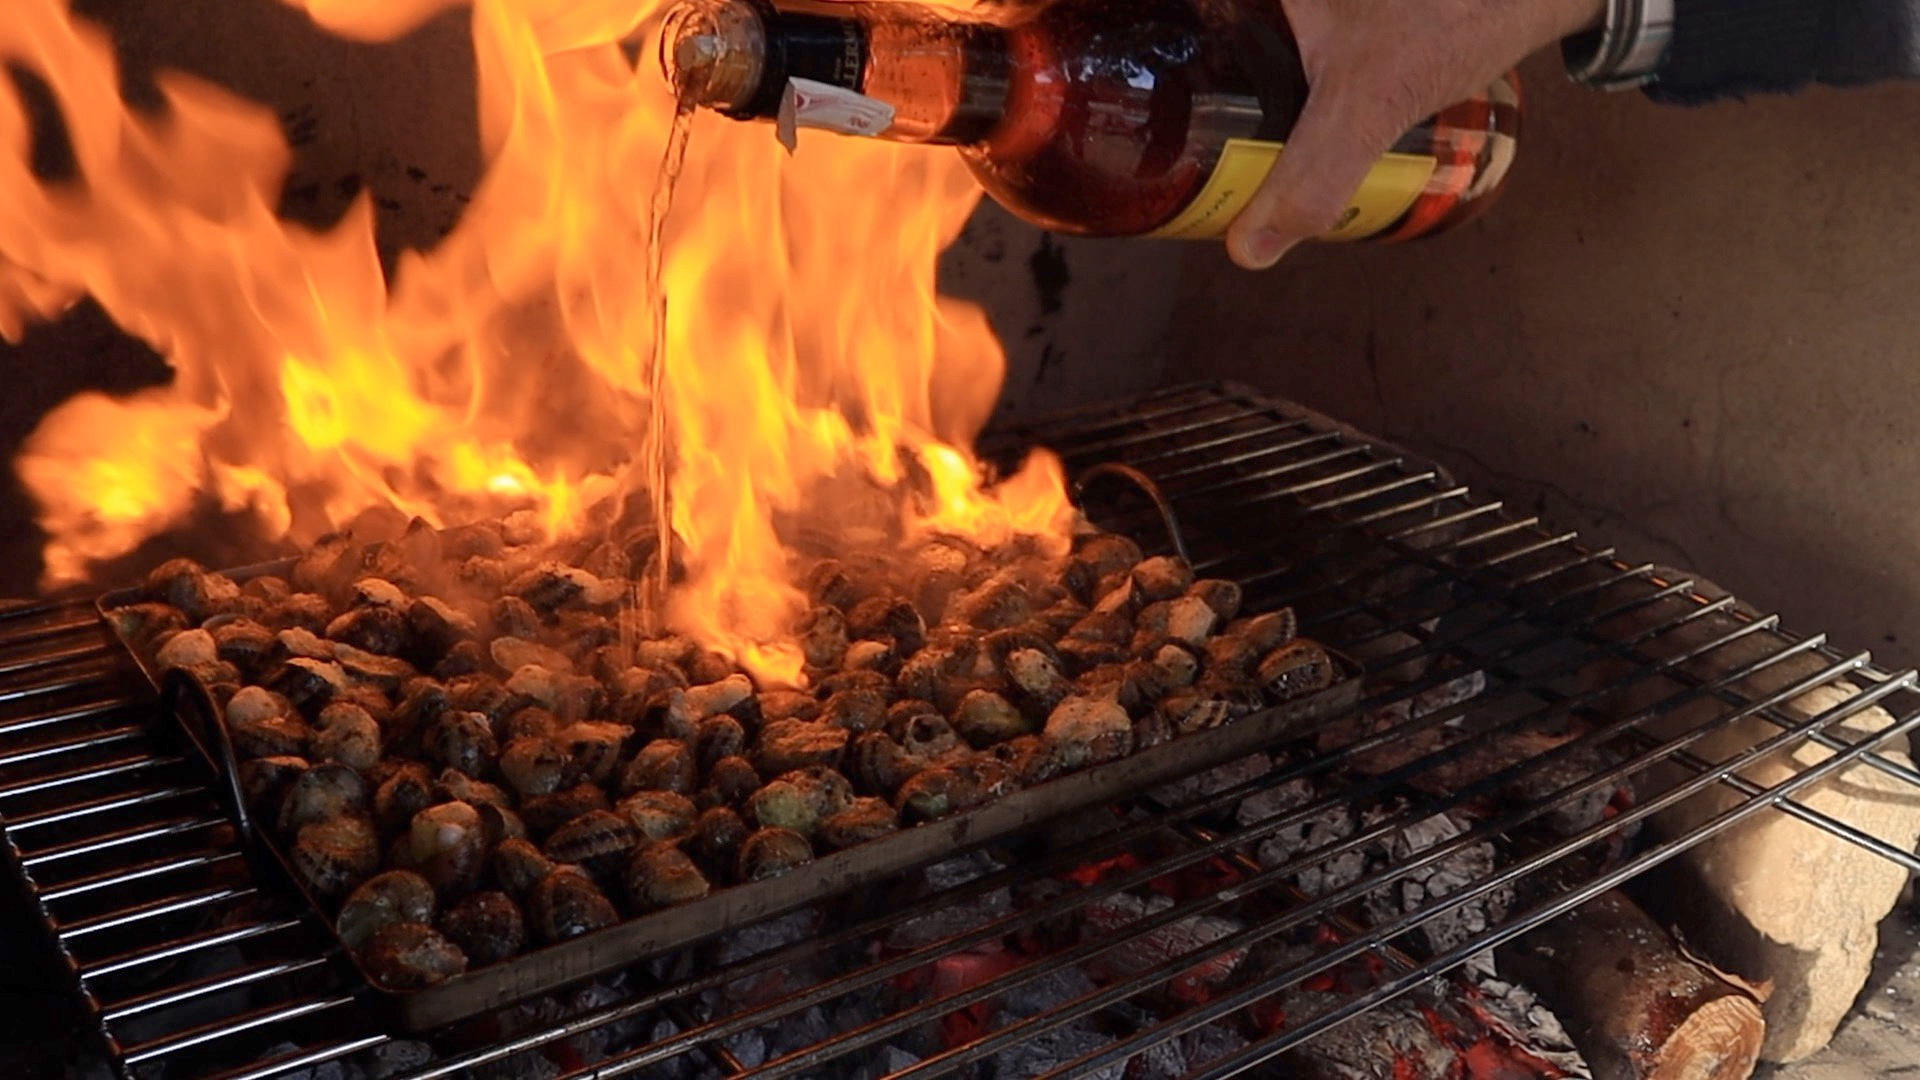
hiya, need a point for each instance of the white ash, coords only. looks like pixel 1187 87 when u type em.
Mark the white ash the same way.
pixel 796 1031
pixel 1164 1060
pixel 1448 694
pixel 892 1059
pixel 1107 918
pixel 596 1043
pixel 1203 785
pixel 1518 1016
pixel 1205 1045
pixel 1388 1042
pixel 1325 827
pixel 326 1070
pixel 394 1058
pixel 1270 803
pixel 682 1066
pixel 1402 749
pixel 526 1065
pixel 1045 993
pixel 961 916
pixel 957 871
pixel 1049 1050
pixel 765 936
pixel 1436 881
pixel 748 1047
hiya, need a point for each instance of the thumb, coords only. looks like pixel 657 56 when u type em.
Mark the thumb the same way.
pixel 1335 143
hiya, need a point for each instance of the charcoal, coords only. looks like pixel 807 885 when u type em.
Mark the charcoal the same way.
pixel 1109 917
pixel 396 1057
pixel 927 736
pixel 946 919
pixel 1047 1051
pixel 1213 781
pixel 1454 873
pixel 1329 825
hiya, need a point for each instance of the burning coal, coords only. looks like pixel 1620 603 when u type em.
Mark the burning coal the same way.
pixel 807 353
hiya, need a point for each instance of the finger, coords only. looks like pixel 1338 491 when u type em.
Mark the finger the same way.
pixel 1333 146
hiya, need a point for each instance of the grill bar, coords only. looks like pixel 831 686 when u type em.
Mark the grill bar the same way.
pixel 1380 553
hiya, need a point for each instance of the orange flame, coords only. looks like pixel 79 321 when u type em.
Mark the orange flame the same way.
pixel 806 346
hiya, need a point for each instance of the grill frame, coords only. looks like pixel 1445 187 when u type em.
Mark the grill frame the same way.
pixel 69 706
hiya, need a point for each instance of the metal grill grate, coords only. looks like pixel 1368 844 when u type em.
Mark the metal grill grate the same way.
pixel 190 969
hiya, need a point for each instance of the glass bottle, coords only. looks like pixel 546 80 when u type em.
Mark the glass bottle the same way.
pixel 1091 117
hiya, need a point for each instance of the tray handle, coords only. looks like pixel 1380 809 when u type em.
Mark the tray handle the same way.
pixel 186 695
pixel 1147 485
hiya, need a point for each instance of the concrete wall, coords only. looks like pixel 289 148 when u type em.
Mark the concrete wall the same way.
pixel 1693 333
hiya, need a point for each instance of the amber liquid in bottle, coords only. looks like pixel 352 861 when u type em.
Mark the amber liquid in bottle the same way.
pixel 1094 117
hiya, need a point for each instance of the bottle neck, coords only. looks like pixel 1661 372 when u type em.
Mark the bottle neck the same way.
pixel 891 70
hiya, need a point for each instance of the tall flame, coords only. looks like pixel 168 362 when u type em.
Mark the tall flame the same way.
pixel 507 368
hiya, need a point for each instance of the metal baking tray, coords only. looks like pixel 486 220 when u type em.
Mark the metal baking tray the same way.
pixel 552 966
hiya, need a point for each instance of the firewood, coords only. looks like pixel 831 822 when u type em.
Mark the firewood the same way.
pixel 1636 1004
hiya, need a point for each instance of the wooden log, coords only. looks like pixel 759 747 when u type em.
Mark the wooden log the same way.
pixel 1637 1006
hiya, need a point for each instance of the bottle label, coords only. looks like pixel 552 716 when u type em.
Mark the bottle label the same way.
pixel 1395 182
pixel 834 108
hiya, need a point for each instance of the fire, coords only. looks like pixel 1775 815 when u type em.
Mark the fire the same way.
pixel 807 353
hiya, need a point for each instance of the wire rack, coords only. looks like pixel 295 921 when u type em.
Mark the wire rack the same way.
pixel 188 967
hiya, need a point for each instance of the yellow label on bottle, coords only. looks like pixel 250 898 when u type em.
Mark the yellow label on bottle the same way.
pixel 1389 190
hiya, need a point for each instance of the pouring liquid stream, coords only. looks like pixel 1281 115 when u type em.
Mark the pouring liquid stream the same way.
pixel 659 448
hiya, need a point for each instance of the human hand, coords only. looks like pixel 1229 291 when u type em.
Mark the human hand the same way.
pixel 1376 68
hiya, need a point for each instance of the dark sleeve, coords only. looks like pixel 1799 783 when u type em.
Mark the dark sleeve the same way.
pixel 1735 48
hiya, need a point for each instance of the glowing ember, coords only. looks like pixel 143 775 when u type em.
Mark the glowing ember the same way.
pixel 808 355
